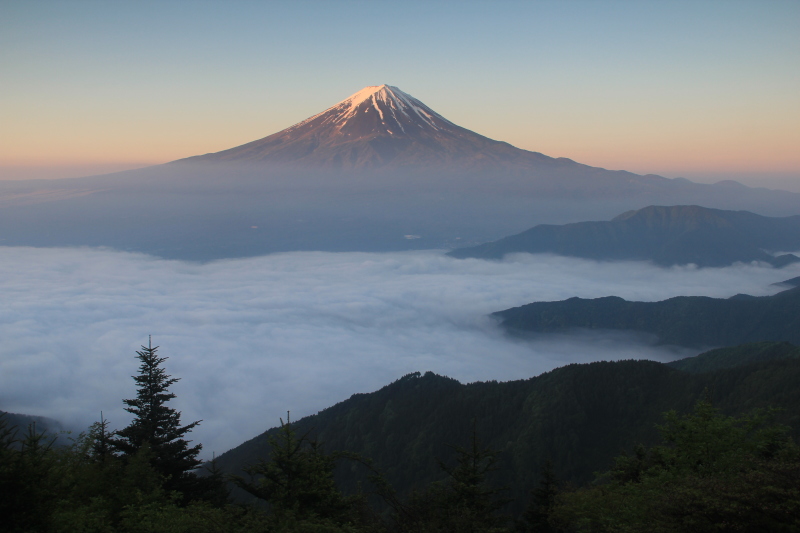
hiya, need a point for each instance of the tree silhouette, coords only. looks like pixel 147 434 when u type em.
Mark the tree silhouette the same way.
pixel 465 502
pixel 157 427
pixel 297 481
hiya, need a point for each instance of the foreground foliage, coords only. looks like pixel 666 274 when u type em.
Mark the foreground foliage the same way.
pixel 297 484
pixel 706 472
pixel 712 473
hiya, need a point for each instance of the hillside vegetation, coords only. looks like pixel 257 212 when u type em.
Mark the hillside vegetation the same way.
pixel 577 417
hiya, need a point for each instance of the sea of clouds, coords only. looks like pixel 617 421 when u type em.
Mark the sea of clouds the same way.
pixel 252 338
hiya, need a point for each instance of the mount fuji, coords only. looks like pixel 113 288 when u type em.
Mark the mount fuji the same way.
pixel 378 171
pixel 377 127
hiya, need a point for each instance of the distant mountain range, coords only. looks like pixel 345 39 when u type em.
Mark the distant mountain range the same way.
pixel 695 321
pixel 673 235
pixel 378 171
pixel 579 416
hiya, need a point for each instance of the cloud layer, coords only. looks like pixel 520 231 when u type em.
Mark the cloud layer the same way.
pixel 253 338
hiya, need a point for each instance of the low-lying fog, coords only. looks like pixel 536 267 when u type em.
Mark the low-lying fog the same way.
pixel 253 338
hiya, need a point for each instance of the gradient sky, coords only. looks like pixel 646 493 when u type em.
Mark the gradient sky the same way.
pixel 705 90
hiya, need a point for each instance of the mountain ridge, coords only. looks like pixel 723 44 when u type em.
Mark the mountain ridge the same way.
pixel 578 417
pixel 692 321
pixel 666 235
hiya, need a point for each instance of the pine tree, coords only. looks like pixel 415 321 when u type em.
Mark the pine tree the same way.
pixel 465 502
pixel 542 501
pixel 297 480
pixel 100 438
pixel 156 427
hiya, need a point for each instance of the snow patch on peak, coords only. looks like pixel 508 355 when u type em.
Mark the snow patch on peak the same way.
pixel 392 99
pixel 362 95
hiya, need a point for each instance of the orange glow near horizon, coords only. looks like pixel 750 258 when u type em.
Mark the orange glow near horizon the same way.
pixel 657 154
pixel 658 145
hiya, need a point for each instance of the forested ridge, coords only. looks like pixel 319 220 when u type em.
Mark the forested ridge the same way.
pixel 665 235
pixel 41 423
pixel 579 417
pixel 696 321
pixel 736 356
pixel 427 453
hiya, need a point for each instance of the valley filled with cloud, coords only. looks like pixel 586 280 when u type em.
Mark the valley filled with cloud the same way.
pixel 252 338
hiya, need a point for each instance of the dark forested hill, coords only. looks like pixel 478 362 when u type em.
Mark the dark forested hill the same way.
pixel 579 417
pixel 735 356
pixel 794 282
pixel 696 321
pixel 664 235
pixel 21 423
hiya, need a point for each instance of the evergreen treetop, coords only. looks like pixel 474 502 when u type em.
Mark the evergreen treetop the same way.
pixel 155 425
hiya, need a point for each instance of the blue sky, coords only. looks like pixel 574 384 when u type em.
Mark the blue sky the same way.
pixel 698 89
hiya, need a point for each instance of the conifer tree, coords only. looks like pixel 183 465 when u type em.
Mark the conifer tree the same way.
pixel 157 427
pixel 297 481
pixel 543 500
pixel 100 438
pixel 464 503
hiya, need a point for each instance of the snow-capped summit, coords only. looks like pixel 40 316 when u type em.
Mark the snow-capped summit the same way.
pixel 379 126
pixel 389 106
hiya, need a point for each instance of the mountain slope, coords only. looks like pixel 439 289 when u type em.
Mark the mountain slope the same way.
pixel 794 282
pixel 376 127
pixel 736 356
pixel 664 235
pixel 695 321
pixel 20 426
pixel 578 416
